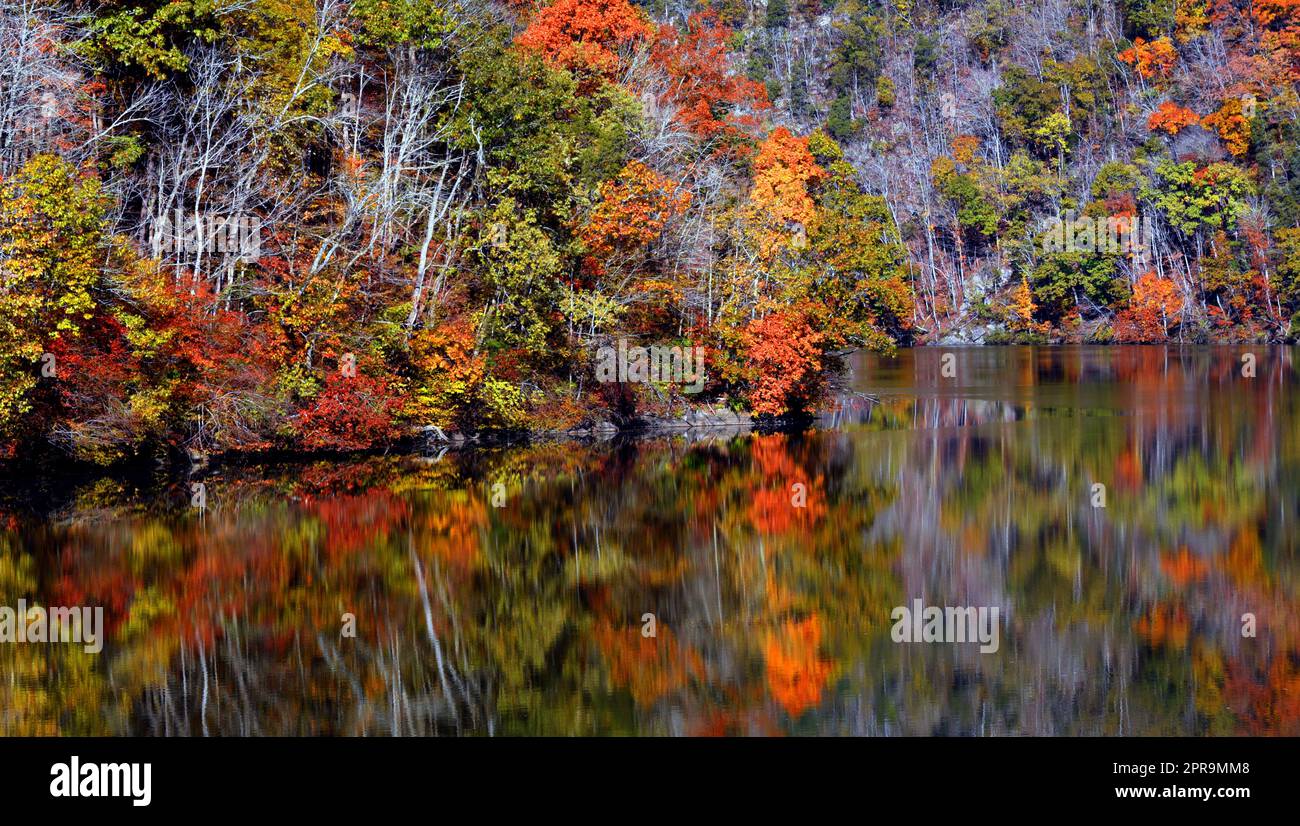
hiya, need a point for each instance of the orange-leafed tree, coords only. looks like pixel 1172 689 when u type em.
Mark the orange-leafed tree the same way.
pixel 649 668
pixel 782 201
pixel 1278 22
pixel 1021 315
pixel 449 375
pixel 1184 567
pixel 1164 625
pixel 713 100
pixel 633 210
pixel 783 171
pixel 1154 308
pixel 1231 125
pixel 1171 118
pixel 585 35
pixel 1154 58
pixel 776 506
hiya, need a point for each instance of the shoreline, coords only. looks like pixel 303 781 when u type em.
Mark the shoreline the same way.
pixel 427 440
pixel 430 441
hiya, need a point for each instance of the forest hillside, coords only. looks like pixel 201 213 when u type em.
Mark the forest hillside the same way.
pixel 241 225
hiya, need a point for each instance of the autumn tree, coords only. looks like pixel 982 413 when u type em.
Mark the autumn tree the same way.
pixel 1171 118
pixel 1153 309
pixel 52 244
pixel 713 101
pixel 585 35
pixel 781 202
pixel 1231 125
pixel 1151 59
pixel 633 210
pixel 1195 198
pixel 784 355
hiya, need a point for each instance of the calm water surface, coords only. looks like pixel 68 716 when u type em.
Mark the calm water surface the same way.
pixel 769 618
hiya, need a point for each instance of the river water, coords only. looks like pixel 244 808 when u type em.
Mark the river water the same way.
pixel 1129 512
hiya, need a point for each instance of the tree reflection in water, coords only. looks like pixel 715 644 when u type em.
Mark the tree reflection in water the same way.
pixel 769 618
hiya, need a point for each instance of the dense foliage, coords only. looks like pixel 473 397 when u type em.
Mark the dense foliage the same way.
pixel 458 204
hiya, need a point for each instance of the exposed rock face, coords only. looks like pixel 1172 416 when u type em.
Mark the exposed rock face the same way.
pixel 974 334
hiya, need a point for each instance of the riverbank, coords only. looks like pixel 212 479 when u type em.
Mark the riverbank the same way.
pixel 705 421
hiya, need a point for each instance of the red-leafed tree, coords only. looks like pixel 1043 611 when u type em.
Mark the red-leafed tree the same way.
pixel 351 413
pixel 1279 37
pixel 784 354
pixel 714 102
pixel 585 35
